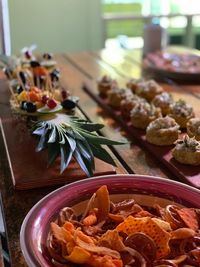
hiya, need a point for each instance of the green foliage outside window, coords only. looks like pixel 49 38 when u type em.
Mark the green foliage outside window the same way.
pixel 129 28
pixel 135 28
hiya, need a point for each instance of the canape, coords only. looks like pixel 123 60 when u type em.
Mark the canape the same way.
pixel 149 89
pixel 162 131
pixel 144 113
pixel 105 84
pixel 116 95
pixel 181 112
pixel 187 151
pixel 128 104
pixel 163 101
pixel 133 84
pixel 193 128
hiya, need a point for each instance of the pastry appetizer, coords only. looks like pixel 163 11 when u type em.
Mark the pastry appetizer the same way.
pixel 144 113
pixel 133 84
pixel 128 104
pixel 162 131
pixel 193 128
pixel 105 84
pixel 163 101
pixel 116 95
pixel 181 112
pixel 187 151
pixel 149 89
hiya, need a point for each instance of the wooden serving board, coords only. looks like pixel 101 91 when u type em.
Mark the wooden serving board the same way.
pixel 28 167
pixel 187 173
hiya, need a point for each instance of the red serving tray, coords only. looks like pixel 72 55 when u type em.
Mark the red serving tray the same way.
pixel 187 173
pixel 28 167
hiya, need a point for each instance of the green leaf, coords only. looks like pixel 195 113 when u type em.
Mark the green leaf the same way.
pixel 84 164
pixel 76 135
pixel 100 140
pixel 53 152
pixel 86 152
pixel 71 142
pixel 101 153
pixel 66 156
pixel 91 127
pixel 40 130
pixel 53 135
pixel 61 138
pixel 42 143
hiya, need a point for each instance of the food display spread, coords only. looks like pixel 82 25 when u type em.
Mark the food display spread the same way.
pixel 145 221
pixel 38 100
pixel 124 233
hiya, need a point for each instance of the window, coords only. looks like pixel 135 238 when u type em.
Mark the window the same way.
pixel 116 27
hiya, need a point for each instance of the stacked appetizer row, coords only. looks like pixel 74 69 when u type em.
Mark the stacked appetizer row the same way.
pixel 147 106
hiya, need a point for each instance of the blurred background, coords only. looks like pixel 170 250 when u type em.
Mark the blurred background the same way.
pixel 79 25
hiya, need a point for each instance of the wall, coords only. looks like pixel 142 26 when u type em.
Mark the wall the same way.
pixel 56 25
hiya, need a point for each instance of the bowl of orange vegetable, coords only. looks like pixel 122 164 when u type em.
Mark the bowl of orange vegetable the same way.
pixel 115 221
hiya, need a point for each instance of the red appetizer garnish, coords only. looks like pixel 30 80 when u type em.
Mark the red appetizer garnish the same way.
pixel 51 103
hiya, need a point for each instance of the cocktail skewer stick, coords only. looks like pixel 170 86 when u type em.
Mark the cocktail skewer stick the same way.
pixel 50 85
pixel 37 81
pixel 13 94
pixel 20 81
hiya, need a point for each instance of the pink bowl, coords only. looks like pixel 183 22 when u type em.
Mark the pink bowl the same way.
pixel 36 225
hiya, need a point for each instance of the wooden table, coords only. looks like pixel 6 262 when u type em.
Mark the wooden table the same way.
pixel 78 69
